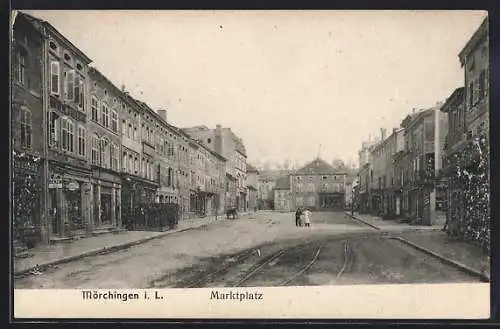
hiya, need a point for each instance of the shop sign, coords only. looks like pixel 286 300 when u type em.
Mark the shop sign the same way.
pixel 55 181
pixel 73 186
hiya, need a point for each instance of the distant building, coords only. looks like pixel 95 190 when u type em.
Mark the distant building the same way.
pixel 282 194
pixel 318 186
pixel 266 182
pixel 252 185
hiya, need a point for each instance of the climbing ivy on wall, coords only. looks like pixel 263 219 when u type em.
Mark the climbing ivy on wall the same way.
pixel 471 168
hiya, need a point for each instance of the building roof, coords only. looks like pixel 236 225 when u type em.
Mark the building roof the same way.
pixel 283 183
pixel 479 34
pixel 317 167
pixel 251 168
pixel 456 97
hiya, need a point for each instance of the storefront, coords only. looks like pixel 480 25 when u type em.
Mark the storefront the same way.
pixel 135 192
pixel 70 200
pixel 106 191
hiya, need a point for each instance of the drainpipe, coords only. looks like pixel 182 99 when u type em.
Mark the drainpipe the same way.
pixel 46 223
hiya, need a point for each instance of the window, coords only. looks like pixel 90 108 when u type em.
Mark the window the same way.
pixel 67 129
pixel 69 85
pixel 124 127
pixel 114 156
pixel 311 201
pixel 476 97
pixel 471 94
pixel 209 140
pixel 129 131
pixel 105 115
pixel 105 153
pixel 26 128
pixel 143 167
pixel 125 166
pixel 482 84
pixel 95 150
pixel 114 121
pixel 81 141
pixel 21 62
pixel 54 77
pixel 300 201
pixel 95 109
pixel 79 91
pixel 135 135
pixel 54 129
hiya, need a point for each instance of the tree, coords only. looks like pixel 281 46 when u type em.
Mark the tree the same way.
pixel 338 164
pixel 287 164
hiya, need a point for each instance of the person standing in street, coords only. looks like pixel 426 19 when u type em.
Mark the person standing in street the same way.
pixel 298 213
pixel 307 218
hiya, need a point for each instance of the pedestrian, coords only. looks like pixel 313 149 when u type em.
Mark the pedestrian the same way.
pixel 307 218
pixel 298 213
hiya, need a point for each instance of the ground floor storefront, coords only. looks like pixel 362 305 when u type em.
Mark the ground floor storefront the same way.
pixel 70 201
pixel 106 192
pixel 330 201
pixel 136 194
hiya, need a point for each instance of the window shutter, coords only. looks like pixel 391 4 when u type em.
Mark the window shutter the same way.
pixel 77 89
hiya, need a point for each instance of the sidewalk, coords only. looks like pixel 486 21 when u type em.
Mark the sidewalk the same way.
pixel 44 256
pixel 392 225
pixel 462 254
pixel 431 240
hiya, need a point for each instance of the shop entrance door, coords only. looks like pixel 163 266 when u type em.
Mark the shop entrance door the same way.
pixel 106 209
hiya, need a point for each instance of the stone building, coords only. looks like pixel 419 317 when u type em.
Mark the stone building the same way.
pixel 282 194
pixel 318 186
pixel 226 143
pixel 67 105
pixel 27 134
pixel 474 58
pixel 252 185
pixel 104 131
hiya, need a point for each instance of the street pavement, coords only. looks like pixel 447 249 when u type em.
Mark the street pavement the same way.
pixel 167 261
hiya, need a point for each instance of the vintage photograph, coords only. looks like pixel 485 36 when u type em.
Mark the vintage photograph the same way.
pixel 214 149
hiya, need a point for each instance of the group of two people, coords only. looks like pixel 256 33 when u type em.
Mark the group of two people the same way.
pixel 303 217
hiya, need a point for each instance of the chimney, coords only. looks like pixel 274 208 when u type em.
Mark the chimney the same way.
pixel 413 111
pixel 163 114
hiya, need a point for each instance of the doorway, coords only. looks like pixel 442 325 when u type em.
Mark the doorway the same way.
pixel 106 209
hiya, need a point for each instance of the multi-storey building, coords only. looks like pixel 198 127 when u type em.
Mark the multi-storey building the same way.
pixel 27 122
pixel 390 192
pixel 455 142
pixel 419 195
pixel 252 185
pixel 225 142
pixel 379 155
pixel 67 103
pixel 318 186
pixel 104 132
pixel 282 194
pixel 365 173
pixel 474 58
pixel 183 160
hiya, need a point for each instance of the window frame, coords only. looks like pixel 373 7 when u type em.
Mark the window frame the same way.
pixel 55 72
pixel 26 133
pixel 81 139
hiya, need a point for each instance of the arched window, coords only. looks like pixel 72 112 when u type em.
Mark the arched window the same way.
pixel 95 150
pixel 26 127
pixel 105 153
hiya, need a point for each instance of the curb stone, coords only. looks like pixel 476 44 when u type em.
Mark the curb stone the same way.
pixel 464 268
pixel 104 250
pixel 362 221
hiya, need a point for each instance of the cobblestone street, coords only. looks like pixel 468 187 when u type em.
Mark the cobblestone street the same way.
pixel 168 261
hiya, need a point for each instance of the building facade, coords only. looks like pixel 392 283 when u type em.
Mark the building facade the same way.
pixel 104 131
pixel 282 195
pixel 66 82
pixel 318 186
pixel 27 122
pixel 252 185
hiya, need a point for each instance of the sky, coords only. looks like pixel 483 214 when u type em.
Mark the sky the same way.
pixel 291 84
